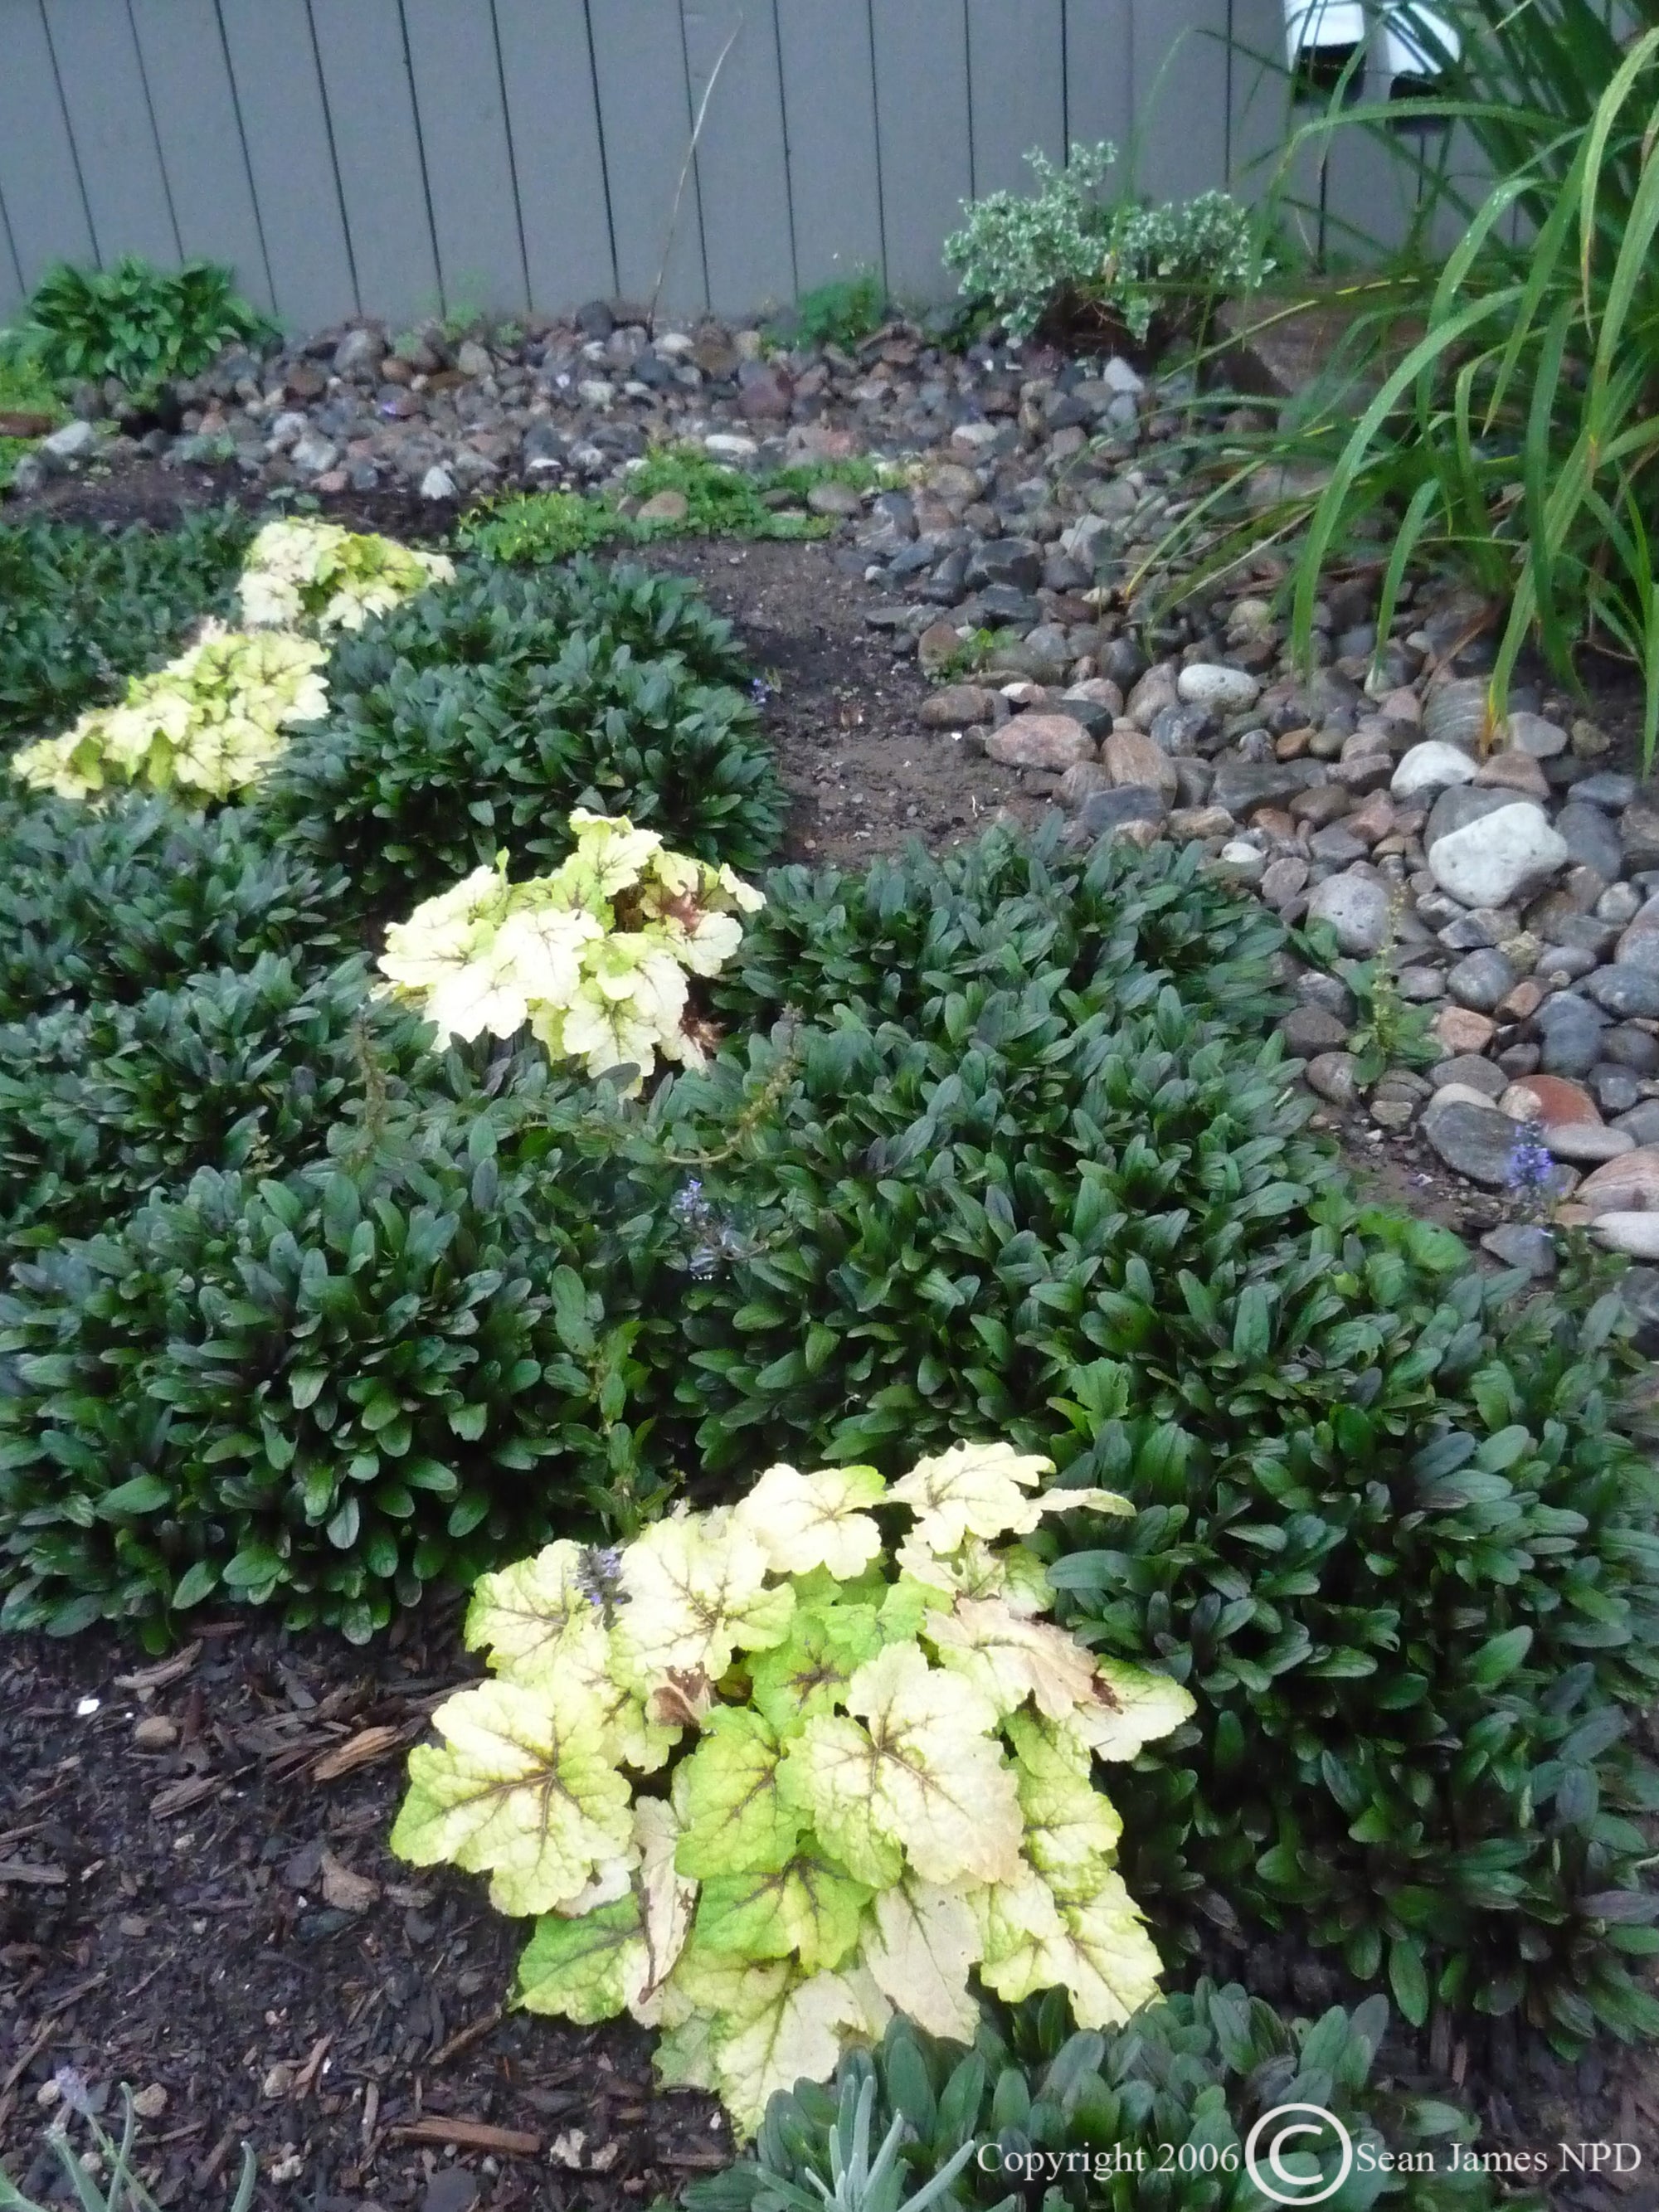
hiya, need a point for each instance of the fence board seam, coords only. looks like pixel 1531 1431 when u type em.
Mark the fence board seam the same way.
pixel 605 156
pixel 512 153
pixel 68 132
pixel 693 102
pixel 15 257
pixel 875 103
pixel 247 159
pixel 420 148
pixel 334 158
pixel 155 132
pixel 788 173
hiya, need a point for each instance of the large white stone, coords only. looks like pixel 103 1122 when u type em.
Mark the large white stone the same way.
pixel 1505 856
pixel 1225 691
pixel 1430 768
pixel 1635 1233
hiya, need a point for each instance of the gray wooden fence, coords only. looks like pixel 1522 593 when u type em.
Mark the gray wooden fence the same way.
pixel 402 157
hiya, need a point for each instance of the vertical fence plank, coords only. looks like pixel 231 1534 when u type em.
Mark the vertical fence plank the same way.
pixel 44 207
pixel 927 169
pixel 645 112
pixel 285 123
pixel 378 147
pixel 1100 45
pixel 109 105
pixel 469 156
pixel 829 112
pixel 1180 92
pixel 743 169
pixel 1017 71
pixel 554 123
pixel 201 139
pixel 11 274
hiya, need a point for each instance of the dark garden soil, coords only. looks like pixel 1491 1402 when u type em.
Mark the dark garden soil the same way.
pixel 196 1896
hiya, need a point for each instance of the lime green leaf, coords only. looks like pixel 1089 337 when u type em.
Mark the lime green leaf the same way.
pixel 807 1521
pixel 1097 1950
pixel 926 1777
pixel 519 1615
pixel 976 1490
pixel 582 1969
pixel 808 1909
pixel 809 1671
pixel 733 1815
pixel 521 1787
pixel 1071 1828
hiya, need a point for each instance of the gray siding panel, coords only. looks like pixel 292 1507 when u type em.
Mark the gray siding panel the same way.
pixel 830 114
pixel 469 159
pixel 556 151
pixel 108 104
pixel 378 147
pixel 45 210
pixel 291 156
pixel 922 110
pixel 1180 96
pixel 742 168
pixel 1100 46
pixel 639 55
pixel 1017 57
pixel 200 137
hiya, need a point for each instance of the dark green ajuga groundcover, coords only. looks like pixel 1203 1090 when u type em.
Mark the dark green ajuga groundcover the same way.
pixel 472 720
pixel 407 1360
pixel 1155 2117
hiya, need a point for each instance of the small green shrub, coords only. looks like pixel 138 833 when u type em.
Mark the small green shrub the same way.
pixel 325 1390
pixel 539 529
pixel 109 906
pixel 1153 272
pixel 1155 2117
pixel 903 939
pixel 82 609
pixel 101 1106
pixel 475 719
pixel 842 312
pixel 25 389
pixel 803 1874
pixel 141 324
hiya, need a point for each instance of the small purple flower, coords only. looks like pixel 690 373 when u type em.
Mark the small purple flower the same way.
pixel 760 691
pixel 1529 1172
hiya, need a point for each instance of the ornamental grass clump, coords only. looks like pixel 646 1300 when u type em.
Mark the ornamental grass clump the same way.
pixel 768 1774
pixel 317 576
pixel 206 726
pixel 594 957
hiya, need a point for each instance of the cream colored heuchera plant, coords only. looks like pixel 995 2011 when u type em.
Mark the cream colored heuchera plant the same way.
pixel 318 576
pixel 766 1779
pixel 208 724
pixel 594 957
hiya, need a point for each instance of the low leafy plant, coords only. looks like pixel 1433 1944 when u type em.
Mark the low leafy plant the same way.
pixel 138 896
pixel 538 529
pixel 122 2191
pixel 427 1359
pixel 1155 2117
pixel 204 727
pixel 888 1782
pixel 1066 256
pixel 317 577
pixel 908 939
pixel 101 1105
pixel 141 324
pixel 842 312
pixel 594 957
pixel 473 720
pixel 83 610
pixel 26 391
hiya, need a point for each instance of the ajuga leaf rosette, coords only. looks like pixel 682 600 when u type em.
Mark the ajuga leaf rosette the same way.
pixel 595 957
pixel 318 576
pixel 765 1780
pixel 207 725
